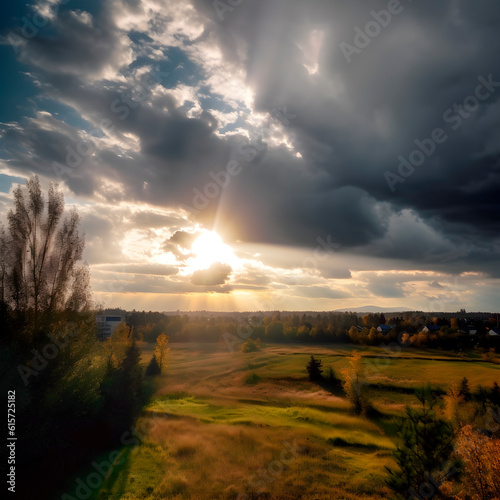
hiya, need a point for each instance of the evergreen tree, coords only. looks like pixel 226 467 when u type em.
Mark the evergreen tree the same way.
pixel 495 394
pixel 121 390
pixel 332 378
pixel 426 444
pixel 131 375
pixel 465 390
pixel 153 367
pixel 314 369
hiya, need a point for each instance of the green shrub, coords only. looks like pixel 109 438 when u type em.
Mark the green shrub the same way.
pixel 250 346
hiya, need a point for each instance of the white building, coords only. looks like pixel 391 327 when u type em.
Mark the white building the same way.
pixel 385 329
pixel 106 325
pixel 494 332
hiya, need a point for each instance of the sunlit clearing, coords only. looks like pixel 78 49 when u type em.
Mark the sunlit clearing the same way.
pixel 209 248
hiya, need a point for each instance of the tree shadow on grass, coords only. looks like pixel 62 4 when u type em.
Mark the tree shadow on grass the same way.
pixel 115 482
pixel 334 387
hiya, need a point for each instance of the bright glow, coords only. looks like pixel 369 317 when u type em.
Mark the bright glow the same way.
pixel 312 50
pixel 209 248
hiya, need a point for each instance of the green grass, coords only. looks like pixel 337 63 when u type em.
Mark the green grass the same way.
pixel 321 423
pixel 143 468
pixel 219 420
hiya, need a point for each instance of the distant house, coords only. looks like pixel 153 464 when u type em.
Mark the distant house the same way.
pixel 385 329
pixel 431 329
pixel 359 328
pixel 494 332
pixel 106 325
pixel 467 330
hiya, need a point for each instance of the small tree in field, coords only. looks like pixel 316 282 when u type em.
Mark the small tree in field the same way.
pixel 161 350
pixel 353 384
pixel 121 386
pixel 116 346
pixel 465 390
pixel 314 369
pixel 250 346
pixel 457 410
pixel 153 367
pixel 426 444
pixel 132 372
pixel 495 394
pixel 332 378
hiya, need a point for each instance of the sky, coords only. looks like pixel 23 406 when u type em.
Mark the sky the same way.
pixel 264 154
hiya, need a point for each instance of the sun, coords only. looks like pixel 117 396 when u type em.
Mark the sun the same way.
pixel 208 249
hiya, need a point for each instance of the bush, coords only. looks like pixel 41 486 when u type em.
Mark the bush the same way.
pixel 250 346
pixel 481 456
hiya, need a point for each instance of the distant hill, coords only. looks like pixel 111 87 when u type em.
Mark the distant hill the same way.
pixel 375 309
pixel 284 314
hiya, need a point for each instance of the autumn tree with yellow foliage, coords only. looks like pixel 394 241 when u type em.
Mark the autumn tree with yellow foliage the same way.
pixel 481 456
pixel 457 408
pixel 354 385
pixel 161 350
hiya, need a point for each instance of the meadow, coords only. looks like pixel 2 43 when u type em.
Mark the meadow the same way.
pixel 233 425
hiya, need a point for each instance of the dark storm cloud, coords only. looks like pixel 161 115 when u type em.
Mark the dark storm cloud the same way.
pixel 178 152
pixel 81 44
pixel 351 122
pixel 296 208
pixel 354 120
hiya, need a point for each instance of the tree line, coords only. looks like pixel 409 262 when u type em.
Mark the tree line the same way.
pixel 330 327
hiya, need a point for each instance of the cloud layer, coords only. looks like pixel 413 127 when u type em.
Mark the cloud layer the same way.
pixel 253 122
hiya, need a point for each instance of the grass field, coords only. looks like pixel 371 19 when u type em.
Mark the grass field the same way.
pixel 224 425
